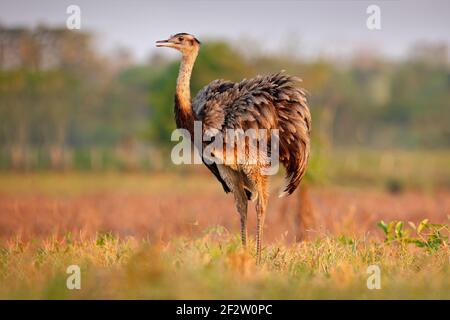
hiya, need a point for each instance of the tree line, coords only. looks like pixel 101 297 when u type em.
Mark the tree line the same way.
pixel 63 102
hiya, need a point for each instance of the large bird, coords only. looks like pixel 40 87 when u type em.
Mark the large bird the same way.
pixel 263 103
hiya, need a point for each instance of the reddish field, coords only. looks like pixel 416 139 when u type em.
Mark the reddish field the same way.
pixel 161 207
pixel 189 256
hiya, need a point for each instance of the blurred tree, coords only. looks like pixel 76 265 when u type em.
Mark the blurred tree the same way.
pixel 57 93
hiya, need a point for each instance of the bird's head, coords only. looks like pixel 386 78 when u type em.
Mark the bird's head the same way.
pixel 184 42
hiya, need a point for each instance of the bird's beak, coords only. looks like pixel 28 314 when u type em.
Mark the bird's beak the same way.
pixel 165 43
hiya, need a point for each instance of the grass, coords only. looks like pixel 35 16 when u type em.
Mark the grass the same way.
pixel 215 266
pixel 174 235
pixel 392 170
pixel 388 169
pixel 73 183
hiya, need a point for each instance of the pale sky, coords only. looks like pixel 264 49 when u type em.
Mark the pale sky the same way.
pixel 312 27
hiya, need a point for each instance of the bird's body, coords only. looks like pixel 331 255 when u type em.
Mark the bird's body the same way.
pixel 267 103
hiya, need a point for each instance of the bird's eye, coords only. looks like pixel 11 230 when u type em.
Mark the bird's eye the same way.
pixel 180 38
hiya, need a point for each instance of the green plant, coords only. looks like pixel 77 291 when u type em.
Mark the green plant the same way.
pixel 425 235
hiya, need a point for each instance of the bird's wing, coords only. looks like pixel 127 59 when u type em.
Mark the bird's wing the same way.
pixel 278 93
pixel 227 105
pixel 204 108
pixel 207 103
pixel 215 171
pixel 264 102
pixel 294 124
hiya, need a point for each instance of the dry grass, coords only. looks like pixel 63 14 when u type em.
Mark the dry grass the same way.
pixel 174 236
pixel 214 266
pixel 163 207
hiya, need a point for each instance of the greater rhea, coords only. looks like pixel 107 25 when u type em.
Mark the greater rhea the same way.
pixel 265 102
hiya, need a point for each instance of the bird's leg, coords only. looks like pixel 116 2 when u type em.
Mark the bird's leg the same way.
pixel 241 205
pixel 243 214
pixel 234 180
pixel 261 205
pixel 260 212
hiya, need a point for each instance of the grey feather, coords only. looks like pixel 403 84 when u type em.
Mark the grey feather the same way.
pixel 264 102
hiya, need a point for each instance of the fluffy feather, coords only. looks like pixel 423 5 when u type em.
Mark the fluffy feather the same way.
pixel 264 102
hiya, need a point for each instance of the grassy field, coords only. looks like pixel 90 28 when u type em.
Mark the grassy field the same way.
pixel 214 266
pixel 175 235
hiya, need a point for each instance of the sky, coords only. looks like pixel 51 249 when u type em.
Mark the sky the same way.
pixel 311 28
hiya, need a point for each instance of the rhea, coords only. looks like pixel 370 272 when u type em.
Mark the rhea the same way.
pixel 263 103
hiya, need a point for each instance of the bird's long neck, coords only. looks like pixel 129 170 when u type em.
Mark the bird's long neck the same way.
pixel 184 115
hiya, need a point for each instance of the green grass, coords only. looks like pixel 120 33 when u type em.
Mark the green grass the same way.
pixel 389 169
pixel 215 266
pixel 393 170
pixel 73 183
